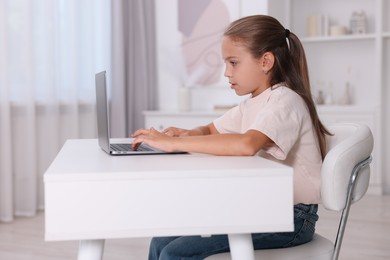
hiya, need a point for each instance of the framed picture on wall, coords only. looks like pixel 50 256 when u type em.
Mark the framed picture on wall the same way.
pixel 190 47
pixel 189 35
pixel 201 25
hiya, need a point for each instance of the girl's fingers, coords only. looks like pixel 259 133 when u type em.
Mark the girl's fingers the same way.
pixel 142 131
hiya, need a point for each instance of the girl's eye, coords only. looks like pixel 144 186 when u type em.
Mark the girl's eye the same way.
pixel 233 63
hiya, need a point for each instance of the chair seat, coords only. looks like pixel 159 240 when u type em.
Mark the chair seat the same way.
pixel 319 248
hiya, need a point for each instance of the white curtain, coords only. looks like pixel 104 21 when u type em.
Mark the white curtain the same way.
pixel 50 51
pixel 134 61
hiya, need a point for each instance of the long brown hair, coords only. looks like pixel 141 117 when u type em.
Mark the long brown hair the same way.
pixel 261 34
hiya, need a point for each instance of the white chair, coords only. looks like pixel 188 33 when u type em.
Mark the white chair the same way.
pixel 345 176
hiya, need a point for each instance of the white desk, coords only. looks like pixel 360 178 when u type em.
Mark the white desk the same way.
pixel 91 196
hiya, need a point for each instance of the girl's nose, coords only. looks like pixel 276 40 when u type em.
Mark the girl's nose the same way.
pixel 227 73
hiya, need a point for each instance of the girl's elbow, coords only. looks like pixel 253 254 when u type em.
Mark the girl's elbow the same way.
pixel 250 147
pixel 251 153
pixel 249 150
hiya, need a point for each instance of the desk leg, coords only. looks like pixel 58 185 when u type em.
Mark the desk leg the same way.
pixel 241 247
pixel 91 249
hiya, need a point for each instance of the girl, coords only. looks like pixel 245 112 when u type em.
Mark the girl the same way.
pixel 279 121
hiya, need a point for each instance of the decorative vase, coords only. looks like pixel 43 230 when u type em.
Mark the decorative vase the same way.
pixel 346 99
pixel 184 99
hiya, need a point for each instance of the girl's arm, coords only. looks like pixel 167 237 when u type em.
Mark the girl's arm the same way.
pixel 201 130
pixel 245 144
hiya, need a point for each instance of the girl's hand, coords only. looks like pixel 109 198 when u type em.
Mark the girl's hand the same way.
pixel 153 138
pixel 175 132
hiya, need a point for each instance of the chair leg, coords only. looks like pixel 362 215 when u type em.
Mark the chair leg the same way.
pixel 345 212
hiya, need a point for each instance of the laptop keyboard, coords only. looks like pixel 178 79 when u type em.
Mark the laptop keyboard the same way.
pixel 128 147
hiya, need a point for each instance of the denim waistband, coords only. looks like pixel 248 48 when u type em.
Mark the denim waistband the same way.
pixel 307 212
pixel 308 208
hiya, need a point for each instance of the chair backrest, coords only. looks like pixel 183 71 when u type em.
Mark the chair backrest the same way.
pixel 350 144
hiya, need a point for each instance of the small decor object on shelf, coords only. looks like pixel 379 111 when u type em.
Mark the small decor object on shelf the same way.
pixel 312 27
pixel 337 30
pixel 329 97
pixel 320 98
pixel 358 23
pixel 346 99
pixel 184 99
pixel 317 25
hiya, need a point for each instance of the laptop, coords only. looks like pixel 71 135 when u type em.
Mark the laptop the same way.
pixel 103 125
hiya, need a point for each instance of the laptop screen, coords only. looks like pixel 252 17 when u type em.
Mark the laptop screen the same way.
pixel 102 111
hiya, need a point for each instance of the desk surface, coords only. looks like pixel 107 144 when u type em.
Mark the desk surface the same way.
pixel 91 195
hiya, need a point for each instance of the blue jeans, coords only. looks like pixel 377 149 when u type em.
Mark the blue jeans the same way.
pixel 197 247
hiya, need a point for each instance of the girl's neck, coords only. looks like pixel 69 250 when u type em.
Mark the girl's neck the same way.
pixel 260 90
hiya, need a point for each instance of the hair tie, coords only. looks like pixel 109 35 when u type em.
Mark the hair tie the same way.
pixel 287 33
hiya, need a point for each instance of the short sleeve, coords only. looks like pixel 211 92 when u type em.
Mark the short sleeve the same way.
pixel 280 119
pixel 229 122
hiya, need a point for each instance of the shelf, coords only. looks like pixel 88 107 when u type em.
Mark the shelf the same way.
pixel 192 113
pixel 343 109
pixel 359 37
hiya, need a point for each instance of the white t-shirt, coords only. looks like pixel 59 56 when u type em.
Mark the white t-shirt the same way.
pixel 282 115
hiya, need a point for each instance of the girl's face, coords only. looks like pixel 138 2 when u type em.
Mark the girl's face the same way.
pixel 245 73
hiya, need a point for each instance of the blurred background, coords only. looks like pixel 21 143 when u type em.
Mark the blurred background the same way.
pixel 164 68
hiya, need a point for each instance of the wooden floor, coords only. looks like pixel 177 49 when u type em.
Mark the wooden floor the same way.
pixel 366 238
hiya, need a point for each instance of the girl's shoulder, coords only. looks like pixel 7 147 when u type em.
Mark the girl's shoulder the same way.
pixel 284 98
pixel 279 95
pixel 282 91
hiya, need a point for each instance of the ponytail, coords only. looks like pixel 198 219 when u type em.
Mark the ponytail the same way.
pixel 298 80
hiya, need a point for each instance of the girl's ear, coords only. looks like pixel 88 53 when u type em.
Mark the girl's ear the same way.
pixel 268 60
